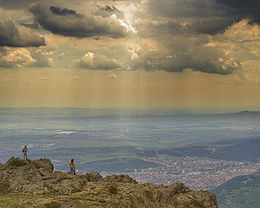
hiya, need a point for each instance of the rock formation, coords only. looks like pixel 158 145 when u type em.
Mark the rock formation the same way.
pixel 37 176
pixel 92 190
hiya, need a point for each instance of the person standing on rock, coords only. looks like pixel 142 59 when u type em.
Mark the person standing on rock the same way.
pixel 25 150
pixel 72 167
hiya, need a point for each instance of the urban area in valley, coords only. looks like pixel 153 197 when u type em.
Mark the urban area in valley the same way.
pixel 195 172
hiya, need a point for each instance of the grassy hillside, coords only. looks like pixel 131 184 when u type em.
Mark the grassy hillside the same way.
pixel 240 192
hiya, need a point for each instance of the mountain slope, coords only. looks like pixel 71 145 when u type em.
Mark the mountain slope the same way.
pixel 240 192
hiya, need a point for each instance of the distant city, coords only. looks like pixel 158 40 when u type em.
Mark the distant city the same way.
pixel 195 172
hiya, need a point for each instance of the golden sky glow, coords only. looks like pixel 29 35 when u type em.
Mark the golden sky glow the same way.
pixel 132 56
pixel 125 89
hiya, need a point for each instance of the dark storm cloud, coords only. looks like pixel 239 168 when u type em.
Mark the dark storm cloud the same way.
pixel 186 8
pixel 203 16
pixel 243 8
pixel 11 36
pixel 64 11
pixel 209 26
pixel 68 22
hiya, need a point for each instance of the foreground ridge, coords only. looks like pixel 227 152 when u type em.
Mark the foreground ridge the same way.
pixel 34 183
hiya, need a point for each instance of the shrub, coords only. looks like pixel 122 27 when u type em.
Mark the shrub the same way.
pixel 112 189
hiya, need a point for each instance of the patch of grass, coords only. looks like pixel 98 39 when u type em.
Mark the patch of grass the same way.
pixel 88 197
pixel 4 187
pixel 28 200
pixel 53 204
pixel 9 203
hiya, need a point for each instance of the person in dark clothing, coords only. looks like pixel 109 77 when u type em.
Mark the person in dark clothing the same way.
pixel 25 150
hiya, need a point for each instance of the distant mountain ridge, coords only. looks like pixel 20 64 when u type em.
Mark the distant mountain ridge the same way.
pixel 248 113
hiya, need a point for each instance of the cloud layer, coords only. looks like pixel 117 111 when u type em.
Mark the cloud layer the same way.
pixel 244 9
pixel 11 36
pixel 201 35
pixel 184 53
pixel 68 22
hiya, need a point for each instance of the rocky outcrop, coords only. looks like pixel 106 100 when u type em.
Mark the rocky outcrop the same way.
pixel 92 190
pixel 37 176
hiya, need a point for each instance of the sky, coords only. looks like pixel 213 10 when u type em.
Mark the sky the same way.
pixel 174 54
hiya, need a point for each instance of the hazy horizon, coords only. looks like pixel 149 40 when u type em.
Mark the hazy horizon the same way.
pixel 141 110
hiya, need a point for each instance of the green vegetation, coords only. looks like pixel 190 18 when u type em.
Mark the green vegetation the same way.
pixel 50 200
pixel 240 192
pixel 118 195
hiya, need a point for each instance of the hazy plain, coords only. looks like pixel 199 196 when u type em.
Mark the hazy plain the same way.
pixel 93 136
